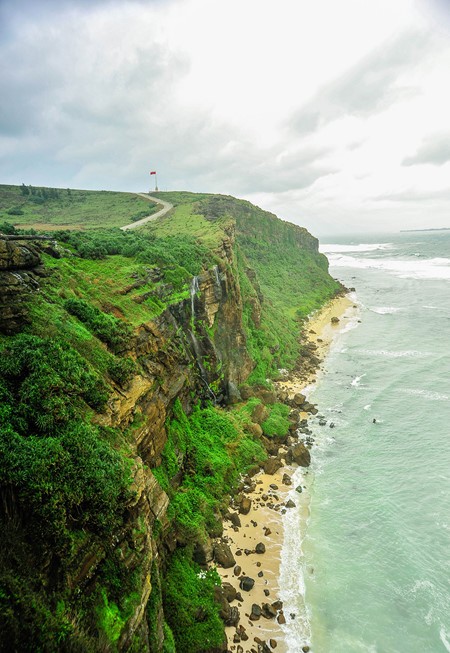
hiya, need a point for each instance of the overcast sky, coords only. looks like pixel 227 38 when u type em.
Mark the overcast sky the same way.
pixel 333 115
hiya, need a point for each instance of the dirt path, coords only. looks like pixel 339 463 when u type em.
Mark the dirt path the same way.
pixel 166 208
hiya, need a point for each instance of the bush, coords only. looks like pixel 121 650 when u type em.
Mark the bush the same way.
pixel 44 382
pixel 112 331
pixel 216 452
pixel 7 228
pixel 277 424
pixel 74 479
pixel 189 605
pixel 121 370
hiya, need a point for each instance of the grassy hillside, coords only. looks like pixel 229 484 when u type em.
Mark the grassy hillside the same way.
pixel 276 259
pixel 55 208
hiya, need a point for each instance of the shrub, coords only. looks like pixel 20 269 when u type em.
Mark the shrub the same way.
pixel 189 605
pixel 277 424
pixel 44 382
pixel 112 331
pixel 71 480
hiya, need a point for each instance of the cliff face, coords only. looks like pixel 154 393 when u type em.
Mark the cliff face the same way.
pixel 197 350
pixel 20 268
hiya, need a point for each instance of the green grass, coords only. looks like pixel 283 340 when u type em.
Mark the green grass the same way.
pixel 218 451
pixel 77 209
pixel 185 218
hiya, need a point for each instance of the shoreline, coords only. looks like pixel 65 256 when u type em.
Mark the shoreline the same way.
pixel 262 528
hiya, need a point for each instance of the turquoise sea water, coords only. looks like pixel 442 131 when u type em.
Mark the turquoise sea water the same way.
pixel 374 564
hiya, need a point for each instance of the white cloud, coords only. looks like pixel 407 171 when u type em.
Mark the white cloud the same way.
pixel 318 111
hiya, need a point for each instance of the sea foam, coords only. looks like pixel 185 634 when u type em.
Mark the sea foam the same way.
pixel 433 268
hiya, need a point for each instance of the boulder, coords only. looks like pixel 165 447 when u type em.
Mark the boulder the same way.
pixel 290 504
pixel 246 583
pixel 233 617
pixel 268 611
pixel 287 479
pixel 234 519
pixel 234 396
pixel 254 429
pixel 335 320
pixel 245 506
pixel 259 414
pixel 256 612
pixel 267 396
pixel 203 552
pixel 299 454
pixel 223 555
pixel 272 465
pixel 281 618
pixel 246 392
pixel 260 548
pixel 298 399
pixel 254 469
pixel 229 591
pixel 224 606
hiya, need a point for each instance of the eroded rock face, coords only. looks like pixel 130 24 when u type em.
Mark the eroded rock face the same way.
pixel 16 256
pixel 19 276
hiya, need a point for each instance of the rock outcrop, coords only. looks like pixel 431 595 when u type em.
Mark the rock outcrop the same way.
pixel 20 269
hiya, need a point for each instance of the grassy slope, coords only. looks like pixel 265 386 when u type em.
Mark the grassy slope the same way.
pixel 292 276
pixel 74 209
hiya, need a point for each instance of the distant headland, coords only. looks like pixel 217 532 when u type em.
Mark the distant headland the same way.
pixel 430 229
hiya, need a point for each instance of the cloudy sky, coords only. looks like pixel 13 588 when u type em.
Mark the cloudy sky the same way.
pixel 334 115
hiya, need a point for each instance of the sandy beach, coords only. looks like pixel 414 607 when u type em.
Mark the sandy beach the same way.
pixel 263 525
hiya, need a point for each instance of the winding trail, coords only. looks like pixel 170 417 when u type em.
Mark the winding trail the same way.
pixel 166 208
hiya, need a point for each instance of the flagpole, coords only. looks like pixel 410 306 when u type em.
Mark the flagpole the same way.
pixel 156 183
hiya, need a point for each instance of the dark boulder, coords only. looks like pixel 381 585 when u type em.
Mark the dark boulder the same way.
pixel 246 583
pixel 223 555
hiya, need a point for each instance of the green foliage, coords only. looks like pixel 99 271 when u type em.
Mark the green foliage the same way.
pixel 169 640
pixel 121 370
pixel 277 424
pixel 14 211
pixel 44 383
pixel 48 208
pixel 27 624
pixel 72 480
pixel 7 228
pixel 189 605
pixel 114 332
pixel 110 619
pixel 215 452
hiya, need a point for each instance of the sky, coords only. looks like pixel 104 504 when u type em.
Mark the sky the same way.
pixel 333 115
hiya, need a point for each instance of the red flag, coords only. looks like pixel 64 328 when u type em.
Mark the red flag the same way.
pixel 153 173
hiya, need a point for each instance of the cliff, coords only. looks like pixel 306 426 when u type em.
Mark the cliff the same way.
pixel 121 361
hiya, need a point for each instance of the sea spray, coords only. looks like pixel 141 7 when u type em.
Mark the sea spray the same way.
pixel 297 630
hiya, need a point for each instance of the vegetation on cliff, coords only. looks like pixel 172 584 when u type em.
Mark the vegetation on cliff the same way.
pixel 118 448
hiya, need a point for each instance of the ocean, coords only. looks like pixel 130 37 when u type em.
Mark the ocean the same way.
pixel 366 557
